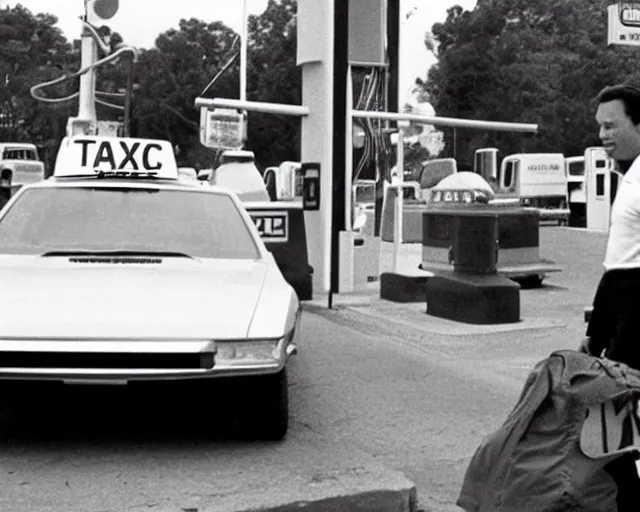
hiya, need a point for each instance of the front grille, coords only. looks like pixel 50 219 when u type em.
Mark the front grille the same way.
pixel 93 360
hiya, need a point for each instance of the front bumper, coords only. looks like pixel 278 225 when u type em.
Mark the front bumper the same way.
pixel 99 361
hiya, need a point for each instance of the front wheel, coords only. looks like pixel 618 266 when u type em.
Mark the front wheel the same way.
pixel 10 409
pixel 266 406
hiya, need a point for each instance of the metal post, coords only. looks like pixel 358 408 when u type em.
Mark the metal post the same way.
pixel 243 52
pixel 128 98
pixel 348 156
pixel 398 221
pixel 447 121
pixel 455 137
pixel 254 106
pixel 89 54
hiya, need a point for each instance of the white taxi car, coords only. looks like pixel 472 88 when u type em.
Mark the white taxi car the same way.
pixel 116 270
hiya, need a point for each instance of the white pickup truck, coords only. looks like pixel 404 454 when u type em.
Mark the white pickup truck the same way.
pixel 23 161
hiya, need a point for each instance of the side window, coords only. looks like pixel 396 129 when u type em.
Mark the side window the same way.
pixel 599 184
pixel 507 178
pixel 484 164
pixel 576 169
pixel 298 181
pixel 19 154
pixel 270 184
pixel 510 178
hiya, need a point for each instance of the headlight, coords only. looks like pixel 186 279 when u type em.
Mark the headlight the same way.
pixel 248 352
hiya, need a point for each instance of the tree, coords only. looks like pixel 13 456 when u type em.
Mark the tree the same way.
pixel 111 77
pixel 533 61
pixel 185 60
pixel 167 80
pixel 32 50
pixel 272 76
pixel 170 77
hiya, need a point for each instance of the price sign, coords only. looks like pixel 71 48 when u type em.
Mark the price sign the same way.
pixel 223 129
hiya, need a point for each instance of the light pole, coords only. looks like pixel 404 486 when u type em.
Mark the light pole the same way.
pixel 88 57
pixel 243 52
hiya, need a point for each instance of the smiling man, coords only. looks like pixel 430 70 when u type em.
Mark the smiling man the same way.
pixel 614 327
pixel 615 322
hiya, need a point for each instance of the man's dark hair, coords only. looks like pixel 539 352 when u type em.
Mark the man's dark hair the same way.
pixel 628 94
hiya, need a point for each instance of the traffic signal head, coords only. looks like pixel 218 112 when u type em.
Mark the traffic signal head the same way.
pixel 102 9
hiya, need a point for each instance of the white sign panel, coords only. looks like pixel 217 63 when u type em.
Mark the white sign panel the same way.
pixel 624 24
pixel 273 226
pixel 222 128
pixel 91 156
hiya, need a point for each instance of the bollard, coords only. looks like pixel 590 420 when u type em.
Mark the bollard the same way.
pixel 473 292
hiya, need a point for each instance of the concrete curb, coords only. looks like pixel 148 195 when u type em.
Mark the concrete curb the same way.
pixel 414 316
pixel 398 500
pixel 396 496
pixel 422 321
pixel 307 472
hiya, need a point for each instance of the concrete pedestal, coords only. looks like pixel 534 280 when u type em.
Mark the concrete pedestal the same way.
pixel 475 299
pixel 402 287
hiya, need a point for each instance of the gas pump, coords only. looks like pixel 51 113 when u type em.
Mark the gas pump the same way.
pixel 334 36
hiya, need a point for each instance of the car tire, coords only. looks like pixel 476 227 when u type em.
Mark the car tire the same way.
pixel 269 417
pixel 304 288
pixel 8 414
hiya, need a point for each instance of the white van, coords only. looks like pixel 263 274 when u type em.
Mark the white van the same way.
pixel 23 160
pixel 536 180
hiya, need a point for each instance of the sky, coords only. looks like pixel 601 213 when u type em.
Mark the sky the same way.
pixel 140 21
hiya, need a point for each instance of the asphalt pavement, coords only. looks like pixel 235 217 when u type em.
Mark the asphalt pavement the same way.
pixel 480 368
pixel 386 402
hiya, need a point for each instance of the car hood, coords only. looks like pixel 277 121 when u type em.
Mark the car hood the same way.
pixel 177 298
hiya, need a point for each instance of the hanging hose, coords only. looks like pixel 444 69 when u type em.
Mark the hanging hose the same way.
pixel 103 46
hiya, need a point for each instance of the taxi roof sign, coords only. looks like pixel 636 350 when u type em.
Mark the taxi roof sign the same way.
pixel 84 156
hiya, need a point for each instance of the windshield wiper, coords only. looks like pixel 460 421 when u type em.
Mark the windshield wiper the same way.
pixel 124 253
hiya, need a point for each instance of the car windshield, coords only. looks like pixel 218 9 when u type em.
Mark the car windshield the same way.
pixel 97 219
